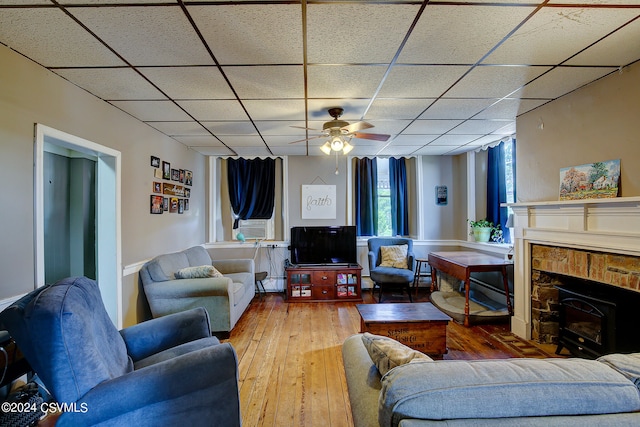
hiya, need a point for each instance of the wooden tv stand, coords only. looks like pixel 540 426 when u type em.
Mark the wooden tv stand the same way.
pixel 328 282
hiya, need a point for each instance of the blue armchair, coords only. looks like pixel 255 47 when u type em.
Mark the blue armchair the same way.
pixel 167 371
pixel 390 274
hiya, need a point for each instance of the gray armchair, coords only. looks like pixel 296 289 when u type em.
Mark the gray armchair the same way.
pixel 167 371
pixel 389 276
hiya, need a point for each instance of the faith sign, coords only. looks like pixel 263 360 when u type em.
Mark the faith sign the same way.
pixel 318 202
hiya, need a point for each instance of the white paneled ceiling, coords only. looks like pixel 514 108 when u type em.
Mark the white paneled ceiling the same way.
pixel 247 78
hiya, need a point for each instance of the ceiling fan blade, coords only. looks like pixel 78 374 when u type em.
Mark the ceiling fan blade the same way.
pixel 307 139
pixel 302 127
pixel 355 127
pixel 374 136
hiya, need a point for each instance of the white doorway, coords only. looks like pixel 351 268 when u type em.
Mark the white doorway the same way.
pixel 107 207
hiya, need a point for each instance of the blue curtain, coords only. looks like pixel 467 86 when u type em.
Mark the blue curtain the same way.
pixel 399 203
pixel 252 184
pixel 497 188
pixel 366 197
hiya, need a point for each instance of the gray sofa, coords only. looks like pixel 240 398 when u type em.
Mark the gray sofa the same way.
pixel 508 392
pixel 225 298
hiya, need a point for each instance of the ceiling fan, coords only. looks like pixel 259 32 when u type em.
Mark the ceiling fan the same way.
pixel 337 131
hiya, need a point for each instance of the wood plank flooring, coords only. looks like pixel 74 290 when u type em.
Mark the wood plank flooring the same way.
pixel 290 360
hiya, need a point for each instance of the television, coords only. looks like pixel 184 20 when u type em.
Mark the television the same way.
pixel 323 245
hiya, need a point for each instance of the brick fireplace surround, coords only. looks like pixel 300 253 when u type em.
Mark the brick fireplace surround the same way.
pixel 553 265
pixel 596 240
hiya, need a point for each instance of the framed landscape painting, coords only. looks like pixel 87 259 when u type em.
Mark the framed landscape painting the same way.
pixel 597 180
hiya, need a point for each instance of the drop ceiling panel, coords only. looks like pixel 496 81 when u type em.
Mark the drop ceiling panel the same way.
pixel 494 82
pixel 251 33
pixel 281 128
pixel 230 128
pixel 415 140
pixel 431 126
pixel 200 141
pixel 389 127
pixel 52 39
pixel 282 109
pixel 455 140
pixel 267 82
pixel 508 129
pixel 562 80
pixel 180 128
pixel 356 33
pixel 509 108
pixel 150 111
pixel 163 35
pixel 478 127
pixel 433 150
pixel 620 48
pixel 210 110
pixel 398 109
pixel 112 83
pixel 242 140
pixel 420 81
pixel 353 108
pixel 456 108
pixel 536 42
pixel 282 150
pixel 397 150
pixel 344 81
pixel 189 82
pixel 464 34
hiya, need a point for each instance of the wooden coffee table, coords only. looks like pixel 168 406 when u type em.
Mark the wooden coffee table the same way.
pixel 420 326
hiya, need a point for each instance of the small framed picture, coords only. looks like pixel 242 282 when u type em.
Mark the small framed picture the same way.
pixel 175 175
pixel 155 161
pixel 441 195
pixel 157 173
pixel 156 204
pixel 173 205
pixel 187 192
pixel 165 204
pixel 188 177
pixel 181 175
pixel 181 206
pixel 186 204
pixel 166 170
pixel 157 187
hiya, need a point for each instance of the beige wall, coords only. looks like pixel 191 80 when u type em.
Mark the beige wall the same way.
pixel 30 94
pixel 595 123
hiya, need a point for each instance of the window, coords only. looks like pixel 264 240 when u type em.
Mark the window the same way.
pixel 384 198
pixel 381 196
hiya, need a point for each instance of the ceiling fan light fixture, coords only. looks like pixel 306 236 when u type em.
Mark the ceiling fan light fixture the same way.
pixel 337 143
pixel 347 148
pixel 326 148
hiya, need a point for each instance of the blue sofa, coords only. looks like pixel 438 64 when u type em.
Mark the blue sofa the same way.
pixel 225 298
pixel 167 371
pixel 507 392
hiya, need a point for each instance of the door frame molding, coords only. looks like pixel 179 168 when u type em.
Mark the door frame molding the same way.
pixel 108 213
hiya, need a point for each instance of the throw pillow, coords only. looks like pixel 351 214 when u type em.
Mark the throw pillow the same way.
pixel 387 353
pixel 198 272
pixel 394 256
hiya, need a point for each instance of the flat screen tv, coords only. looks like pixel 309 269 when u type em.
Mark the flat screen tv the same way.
pixel 324 245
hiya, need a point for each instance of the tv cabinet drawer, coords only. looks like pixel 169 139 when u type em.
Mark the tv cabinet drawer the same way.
pixel 322 292
pixel 324 278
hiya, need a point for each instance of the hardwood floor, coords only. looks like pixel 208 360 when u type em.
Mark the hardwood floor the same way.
pixel 290 360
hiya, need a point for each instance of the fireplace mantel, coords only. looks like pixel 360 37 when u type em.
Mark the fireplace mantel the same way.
pixel 604 225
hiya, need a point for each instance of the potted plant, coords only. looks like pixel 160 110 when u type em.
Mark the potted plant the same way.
pixel 484 230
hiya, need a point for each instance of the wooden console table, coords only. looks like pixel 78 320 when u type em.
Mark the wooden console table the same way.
pixel 461 264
